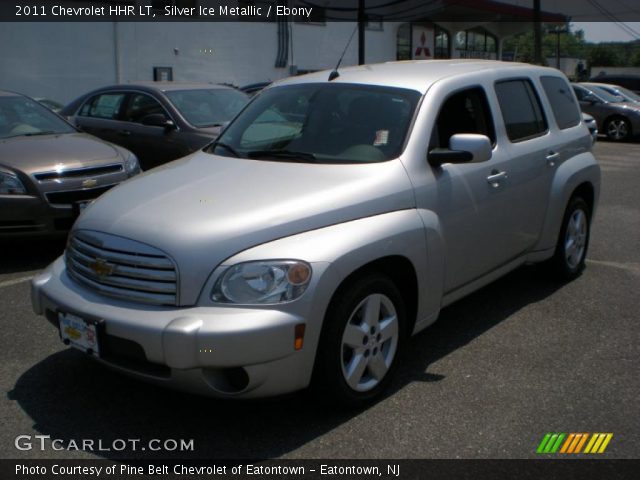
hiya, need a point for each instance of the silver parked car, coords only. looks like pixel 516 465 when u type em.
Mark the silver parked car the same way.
pixel 331 220
pixel 616 117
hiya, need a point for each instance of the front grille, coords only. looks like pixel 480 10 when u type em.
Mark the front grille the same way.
pixel 122 268
pixel 80 172
pixel 72 196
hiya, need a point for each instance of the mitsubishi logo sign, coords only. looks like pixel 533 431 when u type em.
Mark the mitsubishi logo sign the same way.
pixel 423 38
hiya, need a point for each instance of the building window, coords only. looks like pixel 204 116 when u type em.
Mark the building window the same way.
pixel 403 42
pixel 442 44
pixel 475 43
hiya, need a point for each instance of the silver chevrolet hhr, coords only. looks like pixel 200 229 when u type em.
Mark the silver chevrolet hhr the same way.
pixel 333 218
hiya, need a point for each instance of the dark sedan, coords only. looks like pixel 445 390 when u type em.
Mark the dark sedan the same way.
pixel 617 119
pixel 159 122
pixel 48 170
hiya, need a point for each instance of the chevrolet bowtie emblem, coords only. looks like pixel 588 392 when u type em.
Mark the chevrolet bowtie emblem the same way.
pixel 90 182
pixel 102 268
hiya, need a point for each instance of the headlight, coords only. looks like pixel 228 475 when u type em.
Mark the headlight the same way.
pixel 265 282
pixel 131 164
pixel 10 184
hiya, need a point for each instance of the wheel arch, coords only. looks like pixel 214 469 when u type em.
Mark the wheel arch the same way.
pixel 400 271
pixel 579 175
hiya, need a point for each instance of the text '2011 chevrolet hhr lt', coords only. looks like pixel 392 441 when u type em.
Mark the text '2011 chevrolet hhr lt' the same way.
pixel 333 218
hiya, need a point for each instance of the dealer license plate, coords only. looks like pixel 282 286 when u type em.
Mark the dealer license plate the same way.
pixel 79 333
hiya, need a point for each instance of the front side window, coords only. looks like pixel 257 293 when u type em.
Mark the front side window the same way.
pixel 466 111
pixel 141 106
pixel 324 123
pixel 521 110
pixel 565 109
pixel 106 105
pixel 21 116
pixel 208 107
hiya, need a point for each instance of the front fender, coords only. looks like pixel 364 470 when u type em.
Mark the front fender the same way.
pixel 335 252
pixel 579 169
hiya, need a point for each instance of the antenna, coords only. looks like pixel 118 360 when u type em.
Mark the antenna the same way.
pixel 334 73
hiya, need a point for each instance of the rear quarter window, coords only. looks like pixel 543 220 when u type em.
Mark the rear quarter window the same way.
pixel 521 109
pixel 564 107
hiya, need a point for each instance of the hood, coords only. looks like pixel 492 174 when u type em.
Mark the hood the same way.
pixel 628 106
pixel 48 152
pixel 204 208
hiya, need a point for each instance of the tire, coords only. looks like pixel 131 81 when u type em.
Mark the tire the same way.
pixel 358 353
pixel 618 129
pixel 573 242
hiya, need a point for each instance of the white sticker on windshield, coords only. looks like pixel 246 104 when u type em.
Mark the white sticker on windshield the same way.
pixel 382 138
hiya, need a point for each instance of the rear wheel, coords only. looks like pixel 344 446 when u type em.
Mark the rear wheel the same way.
pixel 618 129
pixel 361 339
pixel 573 241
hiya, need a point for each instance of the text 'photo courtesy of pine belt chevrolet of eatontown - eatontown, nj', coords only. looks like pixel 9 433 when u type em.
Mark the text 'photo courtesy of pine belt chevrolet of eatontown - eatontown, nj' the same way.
pixel 320 238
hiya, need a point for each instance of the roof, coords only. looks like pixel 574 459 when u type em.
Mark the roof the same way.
pixel 413 74
pixel 167 86
pixel 6 93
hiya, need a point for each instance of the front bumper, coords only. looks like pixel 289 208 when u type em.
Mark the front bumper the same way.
pixel 217 351
pixel 25 215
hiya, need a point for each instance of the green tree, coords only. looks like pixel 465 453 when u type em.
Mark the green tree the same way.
pixel 604 55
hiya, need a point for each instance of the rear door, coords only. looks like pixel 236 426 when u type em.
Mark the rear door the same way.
pixel 100 116
pixel 533 154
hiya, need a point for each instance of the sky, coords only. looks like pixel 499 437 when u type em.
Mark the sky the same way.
pixel 607 31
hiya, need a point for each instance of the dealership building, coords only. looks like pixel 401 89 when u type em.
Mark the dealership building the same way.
pixel 61 60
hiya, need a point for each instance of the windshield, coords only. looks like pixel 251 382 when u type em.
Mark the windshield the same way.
pixel 21 116
pixel 628 94
pixel 208 107
pixel 606 96
pixel 323 123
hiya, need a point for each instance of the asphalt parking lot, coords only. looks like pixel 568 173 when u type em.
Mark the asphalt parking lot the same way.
pixel 520 358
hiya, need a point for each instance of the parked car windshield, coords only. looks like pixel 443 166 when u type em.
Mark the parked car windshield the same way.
pixel 22 116
pixel 606 96
pixel 625 92
pixel 208 107
pixel 323 123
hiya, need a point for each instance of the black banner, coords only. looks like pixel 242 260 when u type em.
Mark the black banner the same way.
pixel 542 469
pixel 312 11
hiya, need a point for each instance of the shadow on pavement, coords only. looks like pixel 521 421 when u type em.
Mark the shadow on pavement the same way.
pixel 71 398
pixel 27 254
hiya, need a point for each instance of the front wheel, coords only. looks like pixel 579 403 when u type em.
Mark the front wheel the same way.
pixel 363 334
pixel 618 129
pixel 571 250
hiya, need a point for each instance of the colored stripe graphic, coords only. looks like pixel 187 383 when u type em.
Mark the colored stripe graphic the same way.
pixel 572 443
pixel 550 443
pixel 598 442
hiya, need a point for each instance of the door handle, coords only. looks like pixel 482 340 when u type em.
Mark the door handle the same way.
pixel 495 177
pixel 552 157
pixel 124 133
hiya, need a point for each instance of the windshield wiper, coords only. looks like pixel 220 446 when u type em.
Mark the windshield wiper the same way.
pixel 285 154
pixel 225 146
pixel 33 134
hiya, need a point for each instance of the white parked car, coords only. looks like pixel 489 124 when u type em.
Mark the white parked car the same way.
pixel 330 221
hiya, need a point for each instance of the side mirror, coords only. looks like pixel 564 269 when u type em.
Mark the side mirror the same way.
pixel 158 120
pixel 463 148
